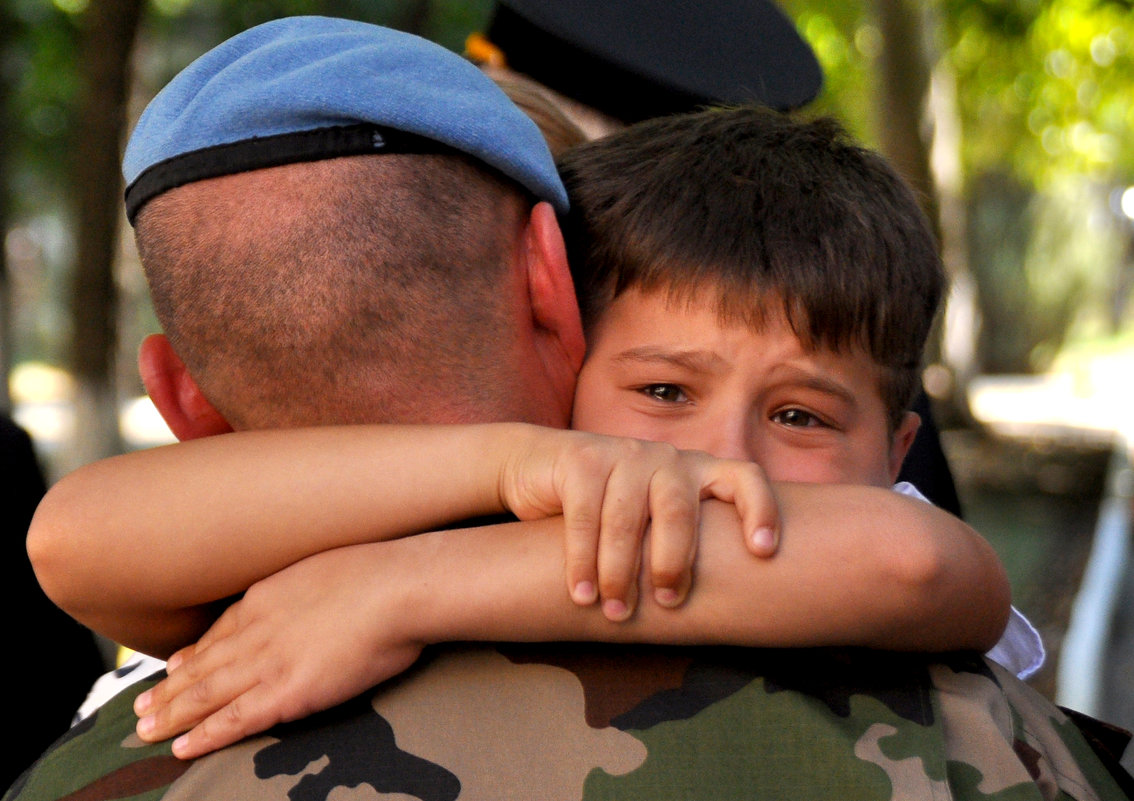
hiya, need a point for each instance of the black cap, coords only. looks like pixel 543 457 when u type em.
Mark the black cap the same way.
pixel 635 59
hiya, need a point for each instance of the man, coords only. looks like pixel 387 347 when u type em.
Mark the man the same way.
pixel 237 168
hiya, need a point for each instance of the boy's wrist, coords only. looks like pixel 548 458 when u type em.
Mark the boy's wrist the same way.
pixel 487 452
pixel 427 593
pixel 518 449
pixel 482 584
pixel 509 443
pixel 400 601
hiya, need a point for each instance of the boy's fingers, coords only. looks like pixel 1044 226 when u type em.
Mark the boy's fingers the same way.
pixel 758 509
pixel 222 627
pixel 249 713
pixel 764 542
pixel 185 672
pixel 674 513
pixel 625 514
pixel 178 657
pixel 200 703
pixel 582 501
pixel 193 703
pixel 203 683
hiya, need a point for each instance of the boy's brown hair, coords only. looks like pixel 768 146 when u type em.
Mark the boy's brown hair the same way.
pixel 767 212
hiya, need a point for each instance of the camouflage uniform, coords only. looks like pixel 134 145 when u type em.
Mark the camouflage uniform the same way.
pixel 584 723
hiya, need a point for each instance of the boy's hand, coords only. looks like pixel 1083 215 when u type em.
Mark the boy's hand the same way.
pixel 609 489
pixel 259 665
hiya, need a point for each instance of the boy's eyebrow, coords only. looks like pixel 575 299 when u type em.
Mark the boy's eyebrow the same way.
pixel 821 383
pixel 698 360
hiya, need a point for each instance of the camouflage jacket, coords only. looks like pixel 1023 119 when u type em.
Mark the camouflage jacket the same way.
pixel 585 723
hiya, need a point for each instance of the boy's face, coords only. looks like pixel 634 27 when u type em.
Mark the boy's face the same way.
pixel 674 372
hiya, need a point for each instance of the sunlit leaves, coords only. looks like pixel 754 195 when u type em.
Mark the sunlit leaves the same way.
pixel 1046 86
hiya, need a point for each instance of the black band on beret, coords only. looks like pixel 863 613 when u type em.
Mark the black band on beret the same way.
pixel 271 151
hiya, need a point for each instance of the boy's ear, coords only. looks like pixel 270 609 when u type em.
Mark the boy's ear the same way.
pixel 555 309
pixel 175 393
pixel 901 442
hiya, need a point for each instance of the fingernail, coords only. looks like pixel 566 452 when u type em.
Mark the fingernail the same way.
pixel 180 744
pixel 585 593
pixel 174 662
pixel 666 596
pixel 615 610
pixel 146 725
pixel 764 539
pixel 143 702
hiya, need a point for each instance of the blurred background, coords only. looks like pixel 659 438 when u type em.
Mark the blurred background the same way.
pixel 1013 118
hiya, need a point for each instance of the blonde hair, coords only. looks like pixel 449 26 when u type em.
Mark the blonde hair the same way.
pixel 535 101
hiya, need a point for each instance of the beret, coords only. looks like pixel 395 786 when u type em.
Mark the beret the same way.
pixel 308 88
pixel 636 59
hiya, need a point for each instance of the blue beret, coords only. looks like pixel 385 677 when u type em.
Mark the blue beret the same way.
pixel 309 88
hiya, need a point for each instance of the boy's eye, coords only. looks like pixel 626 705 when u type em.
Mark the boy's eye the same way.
pixel 796 418
pixel 669 393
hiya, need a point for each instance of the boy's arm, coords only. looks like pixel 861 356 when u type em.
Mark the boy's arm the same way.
pixel 925 581
pixel 858 566
pixel 143 547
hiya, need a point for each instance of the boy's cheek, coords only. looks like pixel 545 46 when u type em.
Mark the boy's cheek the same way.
pixel 832 464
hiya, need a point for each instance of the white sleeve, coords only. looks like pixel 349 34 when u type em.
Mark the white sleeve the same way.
pixel 134 669
pixel 1020 649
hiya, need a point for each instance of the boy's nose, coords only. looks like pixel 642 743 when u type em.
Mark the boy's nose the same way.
pixel 731 438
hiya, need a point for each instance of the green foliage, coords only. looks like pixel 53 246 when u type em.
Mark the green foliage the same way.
pixel 844 40
pixel 1043 99
pixel 38 67
pixel 444 22
pixel 1046 86
pixel 1045 96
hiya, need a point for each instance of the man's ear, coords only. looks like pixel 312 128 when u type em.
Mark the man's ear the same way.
pixel 175 393
pixel 555 310
pixel 901 442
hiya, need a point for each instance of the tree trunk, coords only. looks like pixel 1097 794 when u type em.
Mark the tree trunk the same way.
pixel 902 96
pixel 961 323
pixel 918 131
pixel 110 27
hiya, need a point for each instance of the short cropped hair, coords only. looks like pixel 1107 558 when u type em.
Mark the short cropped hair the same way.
pixel 769 213
pixel 322 291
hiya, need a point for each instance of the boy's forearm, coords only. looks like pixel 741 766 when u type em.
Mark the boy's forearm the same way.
pixel 921 581
pixel 147 541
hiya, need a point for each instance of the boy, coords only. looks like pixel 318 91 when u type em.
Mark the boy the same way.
pixel 825 404
pixel 802 237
